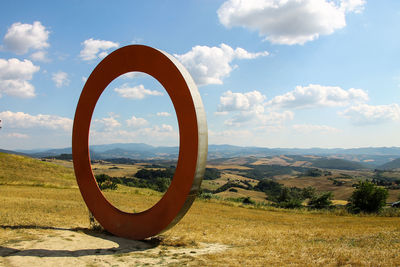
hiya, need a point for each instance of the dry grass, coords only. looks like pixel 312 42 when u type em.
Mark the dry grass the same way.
pixel 255 237
pixel 228 166
pixel 254 195
pixel 111 169
pixel 115 170
pixel 19 170
pixel 321 184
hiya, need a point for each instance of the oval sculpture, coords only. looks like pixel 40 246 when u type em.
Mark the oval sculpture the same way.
pixel 192 123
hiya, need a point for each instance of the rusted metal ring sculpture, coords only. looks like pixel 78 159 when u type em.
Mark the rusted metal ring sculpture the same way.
pixel 192 142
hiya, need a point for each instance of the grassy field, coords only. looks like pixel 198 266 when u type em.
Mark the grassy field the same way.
pixel 252 237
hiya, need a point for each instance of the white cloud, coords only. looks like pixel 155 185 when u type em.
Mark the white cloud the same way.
pixel 364 114
pixel 209 65
pixel 260 118
pixel 163 134
pixel 136 92
pixel 39 56
pixel 60 78
pixel 166 128
pixel 310 128
pixel 133 74
pixel 356 6
pixel 107 124
pixel 24 120
pixel 14 77
pixel 93 49
pixel 250 109
pixel 315 95
pixel 136 122
pixel 237 101
pixel 20 38
pixel 288 21
pixel 17 135
pixel 163 114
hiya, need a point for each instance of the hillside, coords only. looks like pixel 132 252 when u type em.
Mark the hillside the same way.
pixel 371 156
pixel 394 164
pixel 340 164
pixel 49 226
pixel 22 170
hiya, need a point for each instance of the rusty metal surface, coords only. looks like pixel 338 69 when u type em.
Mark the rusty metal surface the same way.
pixel 192 142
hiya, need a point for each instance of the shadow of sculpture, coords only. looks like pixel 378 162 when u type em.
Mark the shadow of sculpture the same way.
pixel 123 245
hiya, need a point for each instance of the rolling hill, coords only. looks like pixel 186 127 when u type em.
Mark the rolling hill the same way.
pixel 369 156
pixel 394 164
pixel 22 170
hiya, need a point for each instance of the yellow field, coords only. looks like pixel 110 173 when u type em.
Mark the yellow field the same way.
pixel 113 170
pixel 254 237
pixel 251 237
pixel 254 195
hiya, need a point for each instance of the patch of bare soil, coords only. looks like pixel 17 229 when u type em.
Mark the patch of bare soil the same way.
pixel 81 247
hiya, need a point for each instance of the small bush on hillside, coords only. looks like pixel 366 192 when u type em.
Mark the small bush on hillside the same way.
pixel 212 174
pixel 322 201
pixel 367 198
pixel 105 182
pixel 248 200
pixel 288 199
pixel 308 192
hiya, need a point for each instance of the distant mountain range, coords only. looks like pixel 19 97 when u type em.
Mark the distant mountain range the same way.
pixel 368 156
pixel 394 164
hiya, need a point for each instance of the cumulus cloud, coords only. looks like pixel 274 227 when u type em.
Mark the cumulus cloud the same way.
pixel 364 114
pixel 39 56
pixel 163 114
pixel 291 21
pixel 356 6
pixel 135 92
pixel 60 79
pixel 133 74
pixel 209 65
pixel 20 38
pixel 315 95
pixel 24 120
pixel 260 118
pixel 310 128
pixel 238 101
pixel 93 49
pixel 107 124
pixel 249 108
pixel 136 122
pixel 15 76
pixel 157 134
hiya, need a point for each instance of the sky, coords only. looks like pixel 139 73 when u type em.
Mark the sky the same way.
pixel 271 73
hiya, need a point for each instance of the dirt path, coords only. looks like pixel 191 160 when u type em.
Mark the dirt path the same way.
pixel 76 247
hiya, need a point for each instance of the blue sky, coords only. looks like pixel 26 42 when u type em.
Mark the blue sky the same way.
pixel 272 73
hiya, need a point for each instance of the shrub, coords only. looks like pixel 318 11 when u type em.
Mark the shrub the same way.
pixel 212 174
pixel 321 201
pixel 367 198
pixel 248 200
pixel 288 199
pixel 308 192
pixel 105 182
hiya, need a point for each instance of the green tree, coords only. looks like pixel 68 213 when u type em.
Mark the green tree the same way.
pixel 288 200
pixel 308 192
pixel 321 201
pixel 105 182
pixel 367 198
